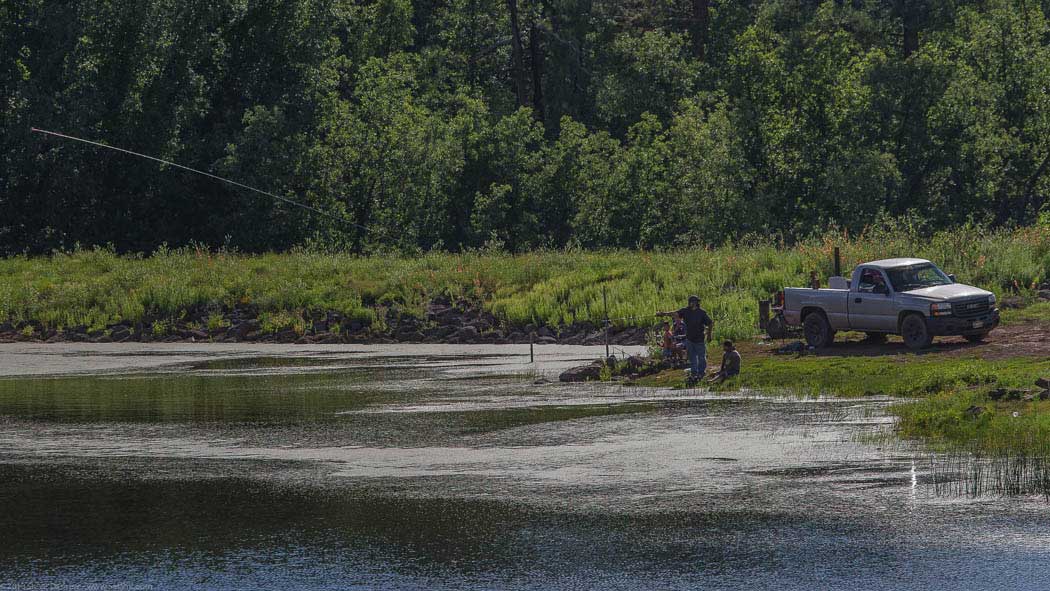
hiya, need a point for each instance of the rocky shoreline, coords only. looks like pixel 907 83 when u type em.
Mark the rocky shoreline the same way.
pixel 444 322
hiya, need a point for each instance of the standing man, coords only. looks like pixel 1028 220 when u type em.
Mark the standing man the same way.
pixel 697 323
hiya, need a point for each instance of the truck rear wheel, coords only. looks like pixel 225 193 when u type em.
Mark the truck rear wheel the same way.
pixel 915 332
pixel 818 331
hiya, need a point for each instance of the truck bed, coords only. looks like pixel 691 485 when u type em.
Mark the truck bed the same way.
pixel 834 302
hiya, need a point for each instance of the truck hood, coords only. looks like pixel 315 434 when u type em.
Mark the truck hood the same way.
pixel 954 291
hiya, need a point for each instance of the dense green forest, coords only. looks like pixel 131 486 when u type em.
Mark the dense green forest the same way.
pixel 453 124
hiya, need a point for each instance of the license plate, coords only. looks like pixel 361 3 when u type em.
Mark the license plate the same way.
pixel 978 323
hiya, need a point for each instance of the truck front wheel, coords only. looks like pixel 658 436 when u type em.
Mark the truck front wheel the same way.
pixel 915 332
pixel 818 331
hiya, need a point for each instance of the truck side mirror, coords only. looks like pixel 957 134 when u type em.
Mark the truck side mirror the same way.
pixel 951 276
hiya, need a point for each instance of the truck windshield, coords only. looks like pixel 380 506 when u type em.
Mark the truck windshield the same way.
pixel 917 277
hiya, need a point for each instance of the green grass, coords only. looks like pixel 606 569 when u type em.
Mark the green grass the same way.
pixel 995 430
pixel 1035 312
pixel 943 388
pixel 97 288
pixel 892 375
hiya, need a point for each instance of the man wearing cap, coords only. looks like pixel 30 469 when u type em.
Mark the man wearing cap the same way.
pixel 697 323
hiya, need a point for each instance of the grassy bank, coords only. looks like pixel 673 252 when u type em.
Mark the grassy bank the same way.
pixel 951 407
pixel 969 420
pixel 97 288
pixel 891 375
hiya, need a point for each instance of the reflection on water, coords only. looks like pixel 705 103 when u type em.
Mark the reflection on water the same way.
pixel 339 472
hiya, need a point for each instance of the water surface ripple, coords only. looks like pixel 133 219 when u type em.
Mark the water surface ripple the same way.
pixel 181 467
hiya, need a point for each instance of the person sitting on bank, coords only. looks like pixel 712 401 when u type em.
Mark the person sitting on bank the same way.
pixel 697 323
pixel 730 364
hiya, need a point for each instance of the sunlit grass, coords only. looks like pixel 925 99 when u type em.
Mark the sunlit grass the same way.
pixel 892 375
pixel 97 288
pixel 1036 312
pixel 944 398
pixel 969 420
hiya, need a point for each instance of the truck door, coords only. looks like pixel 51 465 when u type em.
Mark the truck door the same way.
pixel 871 305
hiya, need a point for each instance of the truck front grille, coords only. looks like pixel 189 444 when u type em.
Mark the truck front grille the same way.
pixel 971 308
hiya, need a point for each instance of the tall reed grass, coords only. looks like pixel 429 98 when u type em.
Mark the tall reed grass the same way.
pixel 96 288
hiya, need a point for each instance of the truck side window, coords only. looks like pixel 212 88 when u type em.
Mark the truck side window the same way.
pixel 869 278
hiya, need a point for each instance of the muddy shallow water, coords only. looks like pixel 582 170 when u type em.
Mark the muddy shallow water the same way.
pixel 230 467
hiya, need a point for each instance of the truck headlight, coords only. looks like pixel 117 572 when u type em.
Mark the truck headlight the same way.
pixel 991 300
pixel 940 309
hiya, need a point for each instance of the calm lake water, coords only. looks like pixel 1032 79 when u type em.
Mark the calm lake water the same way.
pixel 197 467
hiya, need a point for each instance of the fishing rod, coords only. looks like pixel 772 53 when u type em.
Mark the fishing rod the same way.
pixel 328 214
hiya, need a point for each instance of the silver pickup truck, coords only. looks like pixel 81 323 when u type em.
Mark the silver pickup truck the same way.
pixel 908 297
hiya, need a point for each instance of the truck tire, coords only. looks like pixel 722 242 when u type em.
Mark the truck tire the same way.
pixel 818 331
pixel 915 332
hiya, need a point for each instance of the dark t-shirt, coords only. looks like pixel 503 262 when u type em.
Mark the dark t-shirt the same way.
pixel 695 321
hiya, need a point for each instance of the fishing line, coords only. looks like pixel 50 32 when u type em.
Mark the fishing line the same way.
pixel 207 174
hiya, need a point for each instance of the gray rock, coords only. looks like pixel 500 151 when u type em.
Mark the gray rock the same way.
pixel 1011 302
pixel 571 339
pixel 481 325
pixel 287 336
pixel 411 337
pixel 242 330
pixel 447 316
pixel 441 332
pixel 548 340
pixel 1043 383
pixel 465 334
pixel 1007 394
pixel 583 373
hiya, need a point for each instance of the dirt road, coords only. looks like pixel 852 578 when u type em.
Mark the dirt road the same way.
pixel 1028 339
